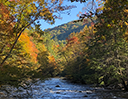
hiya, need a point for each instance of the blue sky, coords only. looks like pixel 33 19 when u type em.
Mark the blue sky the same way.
pixel 65 18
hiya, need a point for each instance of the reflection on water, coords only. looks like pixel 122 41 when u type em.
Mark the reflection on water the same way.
pixel 56 88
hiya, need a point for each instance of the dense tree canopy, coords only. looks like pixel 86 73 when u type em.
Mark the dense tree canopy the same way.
pixel 24 13
pixel 106 45
pixel 98 53
pixel 17 49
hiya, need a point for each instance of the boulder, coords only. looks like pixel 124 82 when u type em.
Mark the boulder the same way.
pixel 57 86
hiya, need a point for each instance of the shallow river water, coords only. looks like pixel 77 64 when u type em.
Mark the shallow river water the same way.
pixel 57 88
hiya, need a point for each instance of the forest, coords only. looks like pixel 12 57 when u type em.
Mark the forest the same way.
pixel 62 31
pixel 90 50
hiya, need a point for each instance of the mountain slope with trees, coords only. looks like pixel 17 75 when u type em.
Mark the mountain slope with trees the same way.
pixel 64 30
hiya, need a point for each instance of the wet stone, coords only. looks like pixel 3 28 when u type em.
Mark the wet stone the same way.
pixel 89 92
pixel 114 97
pixel 57 86
pixel 85 96
pixel 57 92
pixel 1 93
pixel 80 91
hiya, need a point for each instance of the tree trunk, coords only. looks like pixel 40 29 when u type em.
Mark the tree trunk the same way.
pixel 15 43
pixel 124 84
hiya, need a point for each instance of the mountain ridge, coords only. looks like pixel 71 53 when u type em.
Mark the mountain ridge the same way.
pixel 64 30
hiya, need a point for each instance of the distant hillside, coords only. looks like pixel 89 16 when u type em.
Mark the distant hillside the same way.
pixel 62 31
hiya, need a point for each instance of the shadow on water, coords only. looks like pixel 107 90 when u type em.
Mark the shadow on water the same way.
pixel 57 88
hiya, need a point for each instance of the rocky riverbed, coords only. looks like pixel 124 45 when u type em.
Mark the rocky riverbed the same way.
pixel 57 88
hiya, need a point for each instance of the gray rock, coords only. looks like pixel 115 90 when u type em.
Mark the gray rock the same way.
pixel 114 97
pixel 57 86
pixel 57 92
pixel 80 91
pixel 85 96
pixel 89 92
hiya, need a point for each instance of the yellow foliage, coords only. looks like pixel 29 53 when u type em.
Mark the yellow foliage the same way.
pixel 103 37
pixel 126 10
pixel 109 25
pixel 51 59
pixel 126 23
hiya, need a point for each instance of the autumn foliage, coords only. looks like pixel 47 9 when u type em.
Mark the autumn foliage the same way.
pixel 71 41
pixel 6 20
pixel 97 54
pixel 29 47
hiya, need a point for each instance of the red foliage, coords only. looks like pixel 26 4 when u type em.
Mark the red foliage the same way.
pixel 72 40
pixel 92 24
pixel 106 44
pixel 6 20
pixel 85 21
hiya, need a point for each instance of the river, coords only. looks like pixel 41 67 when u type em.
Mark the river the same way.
pixel 57 88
